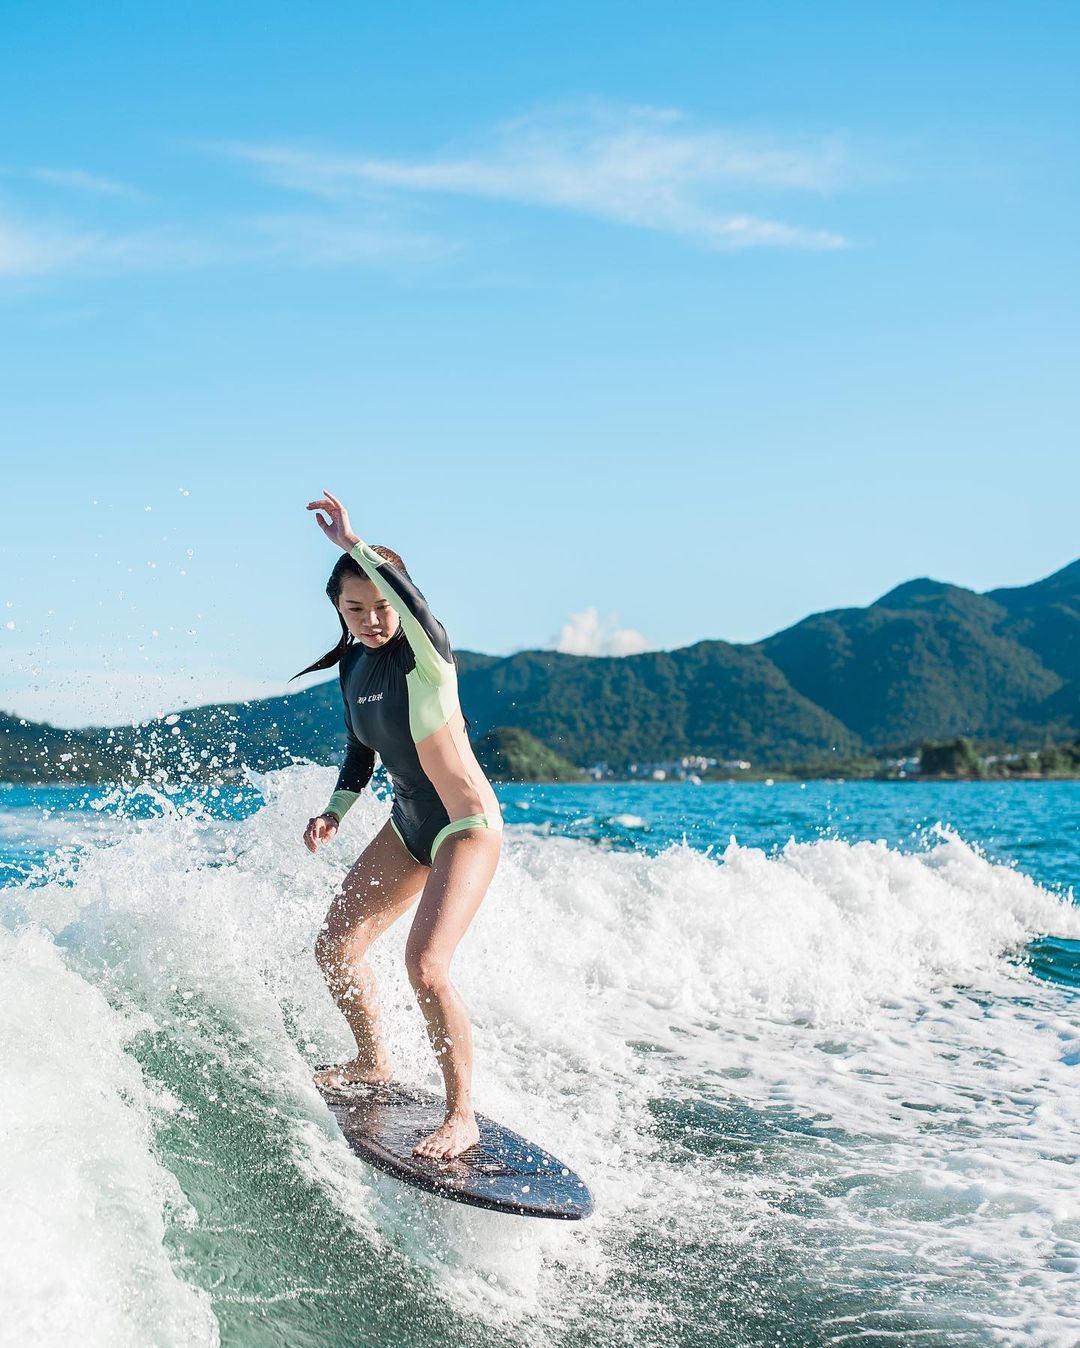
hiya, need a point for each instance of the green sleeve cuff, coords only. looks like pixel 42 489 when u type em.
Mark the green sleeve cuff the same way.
pixel 340 803
pixel 362 553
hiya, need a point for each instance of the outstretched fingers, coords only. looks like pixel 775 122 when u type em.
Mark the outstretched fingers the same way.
pixel 337 530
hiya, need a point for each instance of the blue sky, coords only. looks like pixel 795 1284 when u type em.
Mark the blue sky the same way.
pixel 626 326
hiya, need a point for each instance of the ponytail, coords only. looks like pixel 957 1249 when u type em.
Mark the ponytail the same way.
pixel 332 657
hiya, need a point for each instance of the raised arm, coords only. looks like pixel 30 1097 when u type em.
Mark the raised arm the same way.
pixel 432 683
pixel 432 703
pixel 423 631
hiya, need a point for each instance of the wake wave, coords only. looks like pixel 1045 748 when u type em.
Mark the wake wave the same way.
pixel 815 1086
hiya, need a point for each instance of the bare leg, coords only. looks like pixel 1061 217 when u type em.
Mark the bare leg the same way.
pixel 382 884
pixel 453 892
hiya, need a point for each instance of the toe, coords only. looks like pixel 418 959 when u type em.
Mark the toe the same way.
pixel 433 1146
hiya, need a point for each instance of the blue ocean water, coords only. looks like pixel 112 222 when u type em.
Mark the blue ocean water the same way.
pixel 1033 825
pixel 814 1047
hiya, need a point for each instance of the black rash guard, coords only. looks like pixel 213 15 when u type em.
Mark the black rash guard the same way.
pixel 395 695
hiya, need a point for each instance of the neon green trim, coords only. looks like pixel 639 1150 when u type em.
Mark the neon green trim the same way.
pixel 341 802
pixel 469 821
pixel 429 707
pixel 404 843
pixel 432 668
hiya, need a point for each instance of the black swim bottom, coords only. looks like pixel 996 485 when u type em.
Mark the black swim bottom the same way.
pixel 423 825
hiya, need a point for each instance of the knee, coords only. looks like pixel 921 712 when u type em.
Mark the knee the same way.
pixel 427 971
pixel 327 950
pixel 335 949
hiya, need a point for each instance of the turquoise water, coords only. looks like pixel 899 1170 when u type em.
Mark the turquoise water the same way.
pixel 814 1048
pixel 1033 825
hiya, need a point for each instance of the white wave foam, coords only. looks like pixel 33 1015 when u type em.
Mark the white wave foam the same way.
pixel 848 1011
pixel 85 1200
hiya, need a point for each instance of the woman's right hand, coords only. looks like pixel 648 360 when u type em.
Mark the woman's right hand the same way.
pixel 337 527
pixel 319 830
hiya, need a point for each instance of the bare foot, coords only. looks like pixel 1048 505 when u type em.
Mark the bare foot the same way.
pixel 349 1073
pixel 455 1134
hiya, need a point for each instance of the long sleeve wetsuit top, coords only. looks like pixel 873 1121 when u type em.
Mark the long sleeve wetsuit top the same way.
pixel 401 702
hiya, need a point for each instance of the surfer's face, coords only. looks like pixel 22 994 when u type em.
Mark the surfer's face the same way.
pixel 367 615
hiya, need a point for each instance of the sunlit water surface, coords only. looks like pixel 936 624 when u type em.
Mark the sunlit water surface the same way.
pixel 814 1048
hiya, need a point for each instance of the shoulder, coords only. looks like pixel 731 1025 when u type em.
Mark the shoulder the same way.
pixel 347 663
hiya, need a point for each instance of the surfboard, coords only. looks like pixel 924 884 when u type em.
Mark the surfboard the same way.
pixel 503 1171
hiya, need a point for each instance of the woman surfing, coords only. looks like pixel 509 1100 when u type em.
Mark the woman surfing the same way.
pixel 444 835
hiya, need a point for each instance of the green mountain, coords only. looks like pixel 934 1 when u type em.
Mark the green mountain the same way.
pixel 510 754
pixel 711 698
pixel 1045 617
pixel 927 661
pixel 34 752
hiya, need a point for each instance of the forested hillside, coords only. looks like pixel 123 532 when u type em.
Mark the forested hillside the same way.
pixel 927 661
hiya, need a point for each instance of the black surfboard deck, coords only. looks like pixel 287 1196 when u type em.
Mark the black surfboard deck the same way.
pixel 503 1171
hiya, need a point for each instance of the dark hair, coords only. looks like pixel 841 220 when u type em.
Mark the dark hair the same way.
pixel 346 566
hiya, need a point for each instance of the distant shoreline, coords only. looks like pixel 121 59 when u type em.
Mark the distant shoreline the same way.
pixel 778 779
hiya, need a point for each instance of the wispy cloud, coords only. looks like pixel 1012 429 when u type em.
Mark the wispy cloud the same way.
pixel 319 241
pixel 29 249
pixel 646 167
pixel 78 180
pixel 649 168
pixel 41 249
pixel 586 633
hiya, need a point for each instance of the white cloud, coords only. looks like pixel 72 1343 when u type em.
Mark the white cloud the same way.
pixel 647 167
pixel 32 252
pixel 45 249
pixel 314 241
pixel 586 633
pixel 78 180
pixel 644 167
pixel 42 249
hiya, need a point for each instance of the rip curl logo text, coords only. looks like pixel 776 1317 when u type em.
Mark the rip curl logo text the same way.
pixel 370 697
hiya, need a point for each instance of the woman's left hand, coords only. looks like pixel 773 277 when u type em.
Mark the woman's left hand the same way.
pixel 338 530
